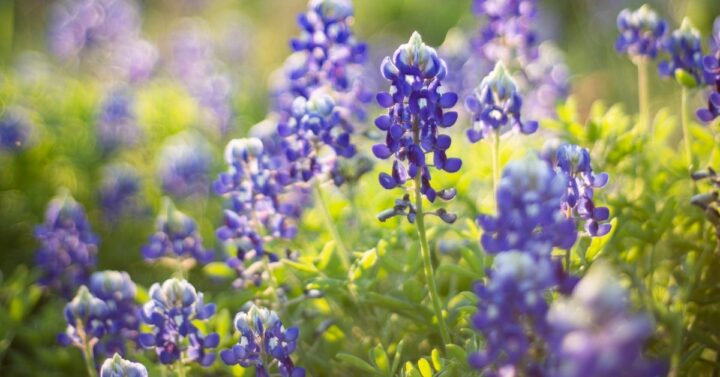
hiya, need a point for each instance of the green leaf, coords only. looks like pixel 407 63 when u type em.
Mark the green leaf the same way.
pixel 435 358
pixel 410 370
pixel 356 362
pixel 453 269
pixel 456 352
pixel 397 357
pixel 380 357
pixel 325 255
pixel 302 267
pixel 219 270
pixel 425 368
pixel 685 79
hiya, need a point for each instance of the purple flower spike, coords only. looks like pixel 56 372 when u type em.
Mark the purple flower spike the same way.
pixel 684 46
pixel 418 108
pixel 177 236
pixel 641 32
pixel 118 367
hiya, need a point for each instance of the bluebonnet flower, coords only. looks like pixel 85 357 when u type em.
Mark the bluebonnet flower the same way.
pixel 641 32
pixel 325 54
pixel 171 311
pixel 133 59
pixel 184 166
pixel 509 32
pixel 574 163
pixel 684 46
pixel 315 123
pixel 117 122
pixel 263 340
pixel 176 236
pixel 711 66
pixel 529 216
pixel 193 61
pixel 254 190
pixel 417 110
pixel 511 313
pixel 545 82
pixel 117 291
pixel 15 130
pixel 85 316
pixel 594 334
pixel 118 367
pixel 68 247
pixel 715 37
pixel 119 191
pixel 496 104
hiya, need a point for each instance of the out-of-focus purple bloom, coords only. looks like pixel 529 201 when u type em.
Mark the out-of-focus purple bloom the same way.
pixel 171 311
pixel 184 166
pixel 496 105
pixel 68 247
pixel 594 334
pixel 509 32
pixel 574 162
pixel 529 216
pixel 684 46
pixel 15 128
pixel 711 66
pixel 85 316
pixel 117 122
pixel 418 108
pixel 118 291
pixel 263 340
pixel 511 313
pixel 134 59
pixel 194 63
pixel 545 82
pixel 119 191
pixel 715 37
pixel 118 367
pixel 641 32
pixel 177 236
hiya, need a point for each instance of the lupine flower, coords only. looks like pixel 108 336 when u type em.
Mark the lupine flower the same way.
pixel 641 32
pixel 711 65
pixel 14 130
pixel 134 60
pixel 574 163
pixel 68 247
pixel 119 367
pixel 508 33
pixel 185 166
pixel 594 332
pixel 684 46
pixel 417 110
pixel 177 236
pixel 547 80
pixel 254 190
pixel 315 122
pixel 263 340
pixel 325 54
pixel 118 291
pixel 85 316
pixel 117 122
pixel 119 191
pixel 171 311
pixel 511 313
pixel 715 37
pixel 529 216
pixel 496 104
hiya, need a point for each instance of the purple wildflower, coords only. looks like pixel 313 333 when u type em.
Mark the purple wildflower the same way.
pixel 15 130
pixel 119 191
pixel 118 367
pixel 641 32
pixel 684 46
pixel 184 166
pixel 117 122
pixel 177 236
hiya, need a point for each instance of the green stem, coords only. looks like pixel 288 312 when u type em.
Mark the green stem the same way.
pixel 496 159
pixel 425 251
pixel 342 251
pixel 643 92
pixel 685 128
pixel 180 368
pixel 273 283
pixel 89 361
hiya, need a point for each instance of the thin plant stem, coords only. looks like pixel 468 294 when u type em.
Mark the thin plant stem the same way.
pixel 686 128
pixel 496 159
pixel 180 368
pixel 272 282
pixel 87 351
pixel 425 251
pixel 643 95
pixel 342 251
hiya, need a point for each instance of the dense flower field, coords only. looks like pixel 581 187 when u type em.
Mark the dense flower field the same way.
pixel 381 203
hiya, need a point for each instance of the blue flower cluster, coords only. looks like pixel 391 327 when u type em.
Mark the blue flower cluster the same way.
pixel 418 108
pixel 171 311
pixel 68 247
pixel 711 65
pixel 684 46
pixel 511 313
pixel 574 163
pixel 594 334
pixel 496 104
pixel 263 340
pixel 117 122
pixel 176 236
pixel 325 54
pixel 103 317
pixel 119 191
pixel 118 367
pixel 641 32
pixel 529 217
pixel 184 166
pixel 14 130
pixel 509 32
